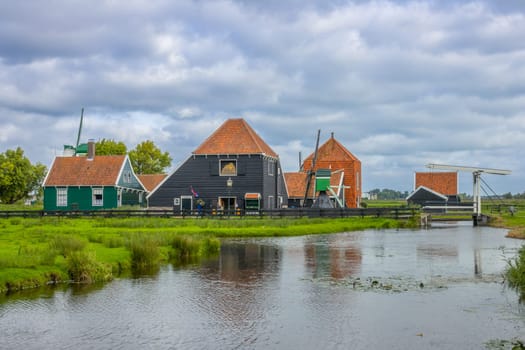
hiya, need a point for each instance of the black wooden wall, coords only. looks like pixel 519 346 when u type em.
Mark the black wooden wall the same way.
pixel 202 174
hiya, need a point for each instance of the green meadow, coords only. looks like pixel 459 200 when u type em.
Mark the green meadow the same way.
pixel 39 251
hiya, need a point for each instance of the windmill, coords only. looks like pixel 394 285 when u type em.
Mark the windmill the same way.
pixel 476 176
pixel 310 172
pixel 79 129
pixel 78 148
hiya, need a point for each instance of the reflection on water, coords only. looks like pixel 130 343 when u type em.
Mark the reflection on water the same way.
pixel 336 256
pixel 439 288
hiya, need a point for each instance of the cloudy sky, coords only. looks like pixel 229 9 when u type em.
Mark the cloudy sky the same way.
pixel 401 83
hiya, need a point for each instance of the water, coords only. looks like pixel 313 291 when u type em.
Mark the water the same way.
pixel 428 289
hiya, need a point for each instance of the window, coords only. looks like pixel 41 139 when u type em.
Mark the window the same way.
pixel 98 199
pixel 270 202
pixel 127 177
pixel 228 168
pixel 271 166
pixel 61 197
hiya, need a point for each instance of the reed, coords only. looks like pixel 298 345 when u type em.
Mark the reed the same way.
pixel 145 252
pixel 66 244
pixel 515 273
pixel 83 267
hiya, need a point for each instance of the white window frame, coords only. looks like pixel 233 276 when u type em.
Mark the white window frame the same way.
pixel 97 191
pixel 271 165
pixel 61 196
pixel 119 197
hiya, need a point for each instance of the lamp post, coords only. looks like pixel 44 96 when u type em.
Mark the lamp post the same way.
pixel 229 185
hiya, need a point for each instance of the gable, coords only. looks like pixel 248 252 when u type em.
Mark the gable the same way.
pixel 127 177
pixel 441 182
pixel 426 194
pixel 79 171
pixel 235 136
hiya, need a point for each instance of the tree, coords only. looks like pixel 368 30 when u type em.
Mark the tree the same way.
pixel 106 147
pixel 147 158
pixel 18 177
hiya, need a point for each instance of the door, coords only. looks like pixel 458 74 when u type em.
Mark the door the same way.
pixel 228 204
pixel 186 204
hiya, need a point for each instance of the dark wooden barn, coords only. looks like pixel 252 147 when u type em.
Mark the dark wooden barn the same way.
pixel 233 168
pixel 425 196
pixel 435 188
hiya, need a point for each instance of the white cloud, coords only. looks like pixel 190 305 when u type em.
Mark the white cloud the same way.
pixel 401 83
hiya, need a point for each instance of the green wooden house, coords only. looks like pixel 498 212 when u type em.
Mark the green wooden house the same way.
pixel 91 183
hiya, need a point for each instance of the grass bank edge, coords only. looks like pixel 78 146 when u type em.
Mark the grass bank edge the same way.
pixel 40 251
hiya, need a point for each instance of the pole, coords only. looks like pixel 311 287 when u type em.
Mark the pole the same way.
pixel 80 128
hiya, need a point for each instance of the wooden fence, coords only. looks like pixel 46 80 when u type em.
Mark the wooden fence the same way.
pixel 389 212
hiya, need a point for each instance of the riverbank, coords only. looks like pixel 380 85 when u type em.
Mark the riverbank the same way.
pixel 39 251
pixel 515 223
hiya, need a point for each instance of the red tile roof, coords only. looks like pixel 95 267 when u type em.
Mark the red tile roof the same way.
pixel 79 171
pixel 150 181
pixel 442 182
pixel 235 136
pixel 296 183
pixel 331 150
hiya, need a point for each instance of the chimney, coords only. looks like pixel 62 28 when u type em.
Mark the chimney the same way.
pixel 91 149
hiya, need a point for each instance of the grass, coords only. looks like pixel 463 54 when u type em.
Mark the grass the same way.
pixel 514 222
pixel 39 251
pixel 382 203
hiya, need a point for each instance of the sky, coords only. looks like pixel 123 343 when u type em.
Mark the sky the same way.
pixel 400 83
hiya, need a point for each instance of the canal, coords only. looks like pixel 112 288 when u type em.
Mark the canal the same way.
pixel 440 288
